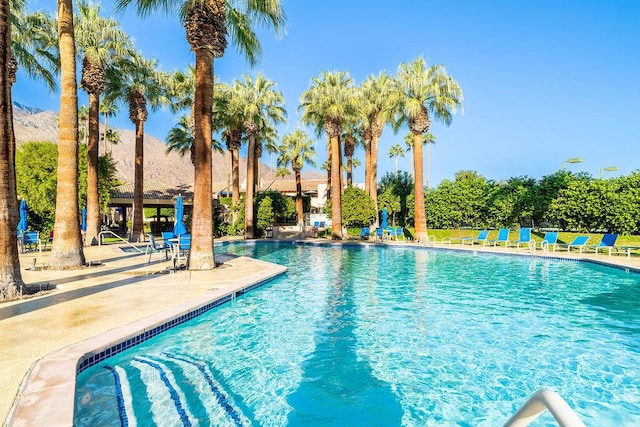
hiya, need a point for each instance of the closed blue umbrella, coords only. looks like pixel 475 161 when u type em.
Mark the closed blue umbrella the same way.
pixel 83 219
pixel 385 214
pixel 179 227
pixel 22 225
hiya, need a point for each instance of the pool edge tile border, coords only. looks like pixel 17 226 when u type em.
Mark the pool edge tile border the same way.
pixel 47 393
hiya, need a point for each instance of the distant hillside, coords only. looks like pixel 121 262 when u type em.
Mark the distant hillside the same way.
pixel 33 124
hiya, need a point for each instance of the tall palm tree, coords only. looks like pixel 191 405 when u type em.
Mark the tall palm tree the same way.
pixel 356 163
pixel 426 90
pixel 34 43
pixel 99 40
pixel 107 109
pixel 111 136
pixel 180 139
pixel 380 99
pixel 207 23
pixel 67 250
pixel 263 106
pixel 351 138
pixel 326 105
pixel 10 276
pixel 396 151
pixel 138 83
pixel 296 150
pixel 427 139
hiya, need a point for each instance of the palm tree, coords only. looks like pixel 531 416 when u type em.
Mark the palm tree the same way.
pixel 427 139
pixel 351 138
pixel 10 276
pixel 380 100
pixel 34 43
pixel 426 90
pixel 356 163
pixel 262 107
pixel 326 105
pixel 137 82
pixel 296 150
pixel 67 250
pixel 107 109
pixel 180 139
pixel 99 40
pixel 207 23
pixel 396 151
pixel 113 137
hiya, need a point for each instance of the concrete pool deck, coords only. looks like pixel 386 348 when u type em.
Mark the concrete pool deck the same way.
pixel 44 336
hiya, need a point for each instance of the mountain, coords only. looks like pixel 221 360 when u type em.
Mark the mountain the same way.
pixel 33 124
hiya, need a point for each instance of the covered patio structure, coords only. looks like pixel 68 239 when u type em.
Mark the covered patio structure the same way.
pixel 155 195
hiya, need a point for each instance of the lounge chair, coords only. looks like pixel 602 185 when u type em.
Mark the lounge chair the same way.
pixel 365 233
pixel 379 234
pixel 391 233
pixel 167 237
pixel 523 239
pixel 579 242
pixel 482 236
pixel 181 250
pixel 31 240
pixel 550 239
pixel 607 242
pixel 503 237
pixel 156 247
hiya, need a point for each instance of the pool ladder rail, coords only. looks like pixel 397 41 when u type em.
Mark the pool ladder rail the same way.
pixel 541 401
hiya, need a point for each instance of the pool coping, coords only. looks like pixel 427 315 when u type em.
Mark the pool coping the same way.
pixel 47 393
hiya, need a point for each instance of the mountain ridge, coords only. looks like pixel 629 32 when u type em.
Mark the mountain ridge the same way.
pixel 34 124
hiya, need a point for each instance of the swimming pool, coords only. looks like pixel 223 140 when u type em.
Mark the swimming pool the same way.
pixel 386 336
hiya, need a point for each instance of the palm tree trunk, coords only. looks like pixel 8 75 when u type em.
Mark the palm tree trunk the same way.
pixel 201 253
pixel 93 203
pixel 67 250
pixel 428 163
pixel 329 171
pixel 137 232
pixel 10 277
pixel 374 171
pixel 248 213
pixel 299 197
pixel 349 171
pixel 235 176
pixel 367 167
pixel 336 193
pixel 419 219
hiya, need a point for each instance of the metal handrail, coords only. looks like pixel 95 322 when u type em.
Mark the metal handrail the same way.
pixel 541 401
pixel 118 237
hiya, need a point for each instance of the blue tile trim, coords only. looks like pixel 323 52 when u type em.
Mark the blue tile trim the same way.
pixel 172 391
pixel 90 360
pixel 122 412
pixel 220 397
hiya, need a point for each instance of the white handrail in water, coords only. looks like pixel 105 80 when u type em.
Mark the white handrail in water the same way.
pixel 118 237
pixel 541 401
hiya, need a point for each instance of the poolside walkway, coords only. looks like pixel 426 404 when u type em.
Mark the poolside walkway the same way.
pixel 121 294
pixel 122 290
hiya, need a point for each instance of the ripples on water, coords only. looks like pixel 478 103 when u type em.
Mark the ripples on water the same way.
pixel 391 336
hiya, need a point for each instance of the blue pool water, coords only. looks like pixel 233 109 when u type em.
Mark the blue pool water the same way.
pixel 386 336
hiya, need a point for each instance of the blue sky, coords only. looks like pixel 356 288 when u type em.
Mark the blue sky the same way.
pixel 543 81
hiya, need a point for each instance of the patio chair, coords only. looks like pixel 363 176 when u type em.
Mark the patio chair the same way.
pixel 503 237
pixel 156 247
pixel 482 236
pixel 523 239
pixel 550 239
pixel 365 233
pixel 391 233
pixel 181 250
pixel 399 233
pixel 607 242
pixel 167 237
pixel 379 234
pixel 31 240
pixel 579 242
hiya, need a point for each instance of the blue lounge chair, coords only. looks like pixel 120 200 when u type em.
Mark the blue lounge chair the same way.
pixel 608 243
pixel 181 250
pixel 578 242
pixel 524 239
pixel 503 237
pixel 365 233
pixel 482 236
pixel 550 239
pixel 31 240
pixel 380 234
pixel 167 237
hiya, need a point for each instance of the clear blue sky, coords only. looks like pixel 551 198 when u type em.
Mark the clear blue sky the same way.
pixel 543 81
